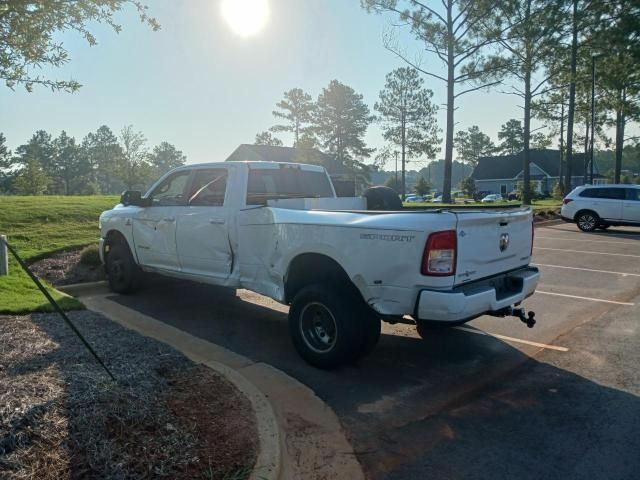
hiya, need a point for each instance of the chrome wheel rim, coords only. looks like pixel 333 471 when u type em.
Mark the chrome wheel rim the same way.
pixel 587 222
pixel 318 327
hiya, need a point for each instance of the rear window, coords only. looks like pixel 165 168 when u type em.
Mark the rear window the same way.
pixel 286 182
pixel 611 193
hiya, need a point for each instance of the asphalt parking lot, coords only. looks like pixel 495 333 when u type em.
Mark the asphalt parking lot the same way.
pixel 490 399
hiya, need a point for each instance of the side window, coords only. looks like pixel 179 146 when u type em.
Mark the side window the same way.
pixel 608 193
pixel 590 193
pixel 209 187
pixel 171 191
pixel 614 193
pixel 633 194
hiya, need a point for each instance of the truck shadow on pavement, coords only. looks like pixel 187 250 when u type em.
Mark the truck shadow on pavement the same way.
pixel 455 405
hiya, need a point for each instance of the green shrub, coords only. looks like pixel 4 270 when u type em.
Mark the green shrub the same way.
pixel 90 255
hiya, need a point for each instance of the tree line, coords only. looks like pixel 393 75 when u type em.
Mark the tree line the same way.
pixel 542 52
pixel 101 163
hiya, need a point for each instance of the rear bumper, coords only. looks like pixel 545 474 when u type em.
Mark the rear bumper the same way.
pixel 467 302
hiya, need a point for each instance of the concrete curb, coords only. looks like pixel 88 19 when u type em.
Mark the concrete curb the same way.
pixel 300 435
pixel 268 461
pixel 556 221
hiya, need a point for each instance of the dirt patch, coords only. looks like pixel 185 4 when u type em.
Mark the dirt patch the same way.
pixel 64 268
pixel 62 418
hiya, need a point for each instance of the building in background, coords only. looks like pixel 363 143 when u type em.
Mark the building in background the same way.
pixel 503 174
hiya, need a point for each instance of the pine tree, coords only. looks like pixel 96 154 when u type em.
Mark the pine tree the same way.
pixel 408 117
pixel 297 109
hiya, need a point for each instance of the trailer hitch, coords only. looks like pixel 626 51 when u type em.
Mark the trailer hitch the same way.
pixel 525 317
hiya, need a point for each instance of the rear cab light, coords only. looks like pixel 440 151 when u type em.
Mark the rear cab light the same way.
pixel 439 258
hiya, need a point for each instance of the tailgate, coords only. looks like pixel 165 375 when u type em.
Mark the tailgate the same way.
pixel 492 242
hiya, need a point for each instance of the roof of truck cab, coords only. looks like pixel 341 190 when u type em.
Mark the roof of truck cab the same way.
pixel 253 164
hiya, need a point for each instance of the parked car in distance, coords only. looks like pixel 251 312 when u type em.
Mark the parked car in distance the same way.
pixel 600 206
pixel 493 197
pixel 414 199
pixel 437 199
pixel 513 196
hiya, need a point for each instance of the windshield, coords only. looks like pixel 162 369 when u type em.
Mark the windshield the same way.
pixel 289 182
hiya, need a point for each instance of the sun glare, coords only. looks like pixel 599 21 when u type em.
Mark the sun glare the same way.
pixel 245 17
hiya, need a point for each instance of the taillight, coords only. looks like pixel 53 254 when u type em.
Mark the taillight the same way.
pixel 439 259
pixel 567 200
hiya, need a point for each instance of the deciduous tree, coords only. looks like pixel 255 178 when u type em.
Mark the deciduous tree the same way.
pixel 134 169
pixel 29 40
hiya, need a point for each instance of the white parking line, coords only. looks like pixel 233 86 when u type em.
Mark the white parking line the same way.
pixel 604 235
pixel 588 270
pixel 584 298
pixel 515 340
pixel 589 252
pixel 587 240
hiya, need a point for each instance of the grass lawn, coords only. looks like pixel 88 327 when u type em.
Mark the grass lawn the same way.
pixel 37 227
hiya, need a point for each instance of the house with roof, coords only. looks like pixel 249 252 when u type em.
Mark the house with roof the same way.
pixel 342 178
pixel 503 174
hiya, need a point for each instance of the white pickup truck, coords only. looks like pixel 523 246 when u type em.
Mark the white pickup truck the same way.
pixel 278 229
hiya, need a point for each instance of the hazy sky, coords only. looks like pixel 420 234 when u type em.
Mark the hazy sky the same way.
pixel 206 89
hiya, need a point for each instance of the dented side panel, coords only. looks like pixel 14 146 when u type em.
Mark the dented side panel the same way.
pixel 380 253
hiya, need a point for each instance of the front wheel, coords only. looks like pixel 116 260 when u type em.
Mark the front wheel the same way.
pixel 587 221
pixel 122 271
pixel 323 324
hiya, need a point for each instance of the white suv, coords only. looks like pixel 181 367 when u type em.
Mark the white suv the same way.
pixel 600 206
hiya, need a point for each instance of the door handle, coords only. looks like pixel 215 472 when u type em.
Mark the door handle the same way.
pixel 169 219
pixel 216 221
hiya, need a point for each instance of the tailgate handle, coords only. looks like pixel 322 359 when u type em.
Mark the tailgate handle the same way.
pixel 504 223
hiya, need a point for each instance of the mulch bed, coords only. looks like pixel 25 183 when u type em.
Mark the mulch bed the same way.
pixel 61 417
pixel 64 268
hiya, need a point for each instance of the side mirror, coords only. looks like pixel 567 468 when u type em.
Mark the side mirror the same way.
pixel 135 198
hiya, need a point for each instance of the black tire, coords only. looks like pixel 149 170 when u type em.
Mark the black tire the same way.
pixel 325 326
pixel 371 327
pixel 430 329
pixel 587 221
pixel 382 198
pixel 122 271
